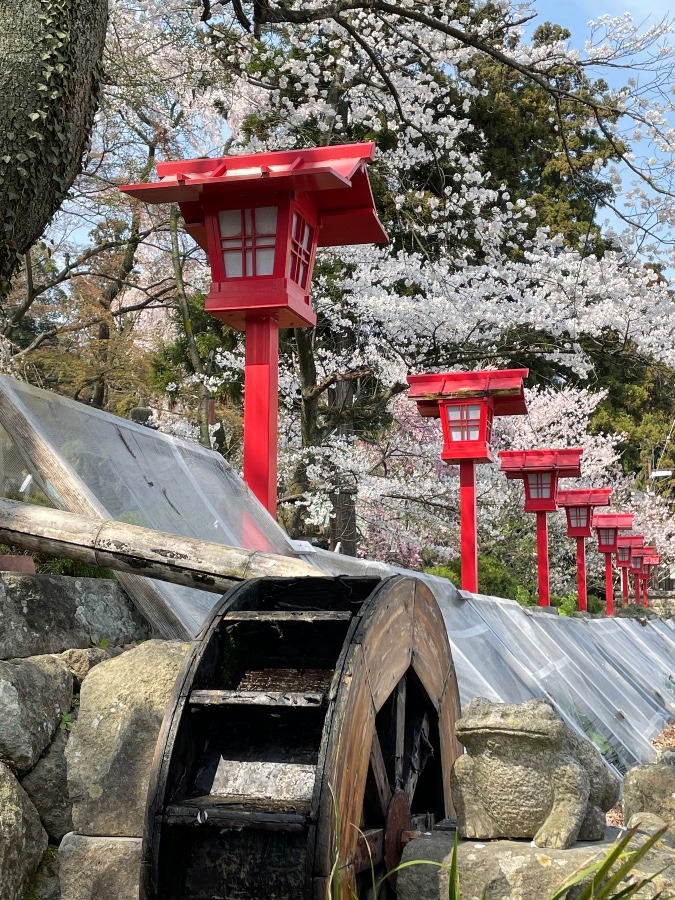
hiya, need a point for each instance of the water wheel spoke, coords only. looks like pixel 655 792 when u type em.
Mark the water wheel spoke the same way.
pixel 369 849
pixel 421 750
pixel 378 784
pixel 399 713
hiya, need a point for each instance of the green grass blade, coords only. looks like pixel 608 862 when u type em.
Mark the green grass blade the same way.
pixel 596 871
pixel 631 859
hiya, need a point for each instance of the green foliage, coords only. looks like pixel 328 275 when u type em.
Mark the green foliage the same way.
pixel 640 402
pixel 608 878
pixel 73 568
pixel 553 171
pixel 567 605
pixel 48 862
pixel 494 579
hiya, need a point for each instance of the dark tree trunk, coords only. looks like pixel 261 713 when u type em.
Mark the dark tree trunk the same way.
pixel 50 52
pixel 343 498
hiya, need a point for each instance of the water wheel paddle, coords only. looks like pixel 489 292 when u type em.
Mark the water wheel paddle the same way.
pixel 310 732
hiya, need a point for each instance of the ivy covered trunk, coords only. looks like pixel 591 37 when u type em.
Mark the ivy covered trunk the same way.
pixel 50 52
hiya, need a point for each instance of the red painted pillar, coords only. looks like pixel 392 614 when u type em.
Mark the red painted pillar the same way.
pixel 624 585
pixel 467 525
pixel 542 559
pixel 261 380
pixel 645 595
pixel 637 589
pixel 582 600
pixel 609 588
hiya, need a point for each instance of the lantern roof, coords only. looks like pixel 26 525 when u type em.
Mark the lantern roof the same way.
pixel 503 386
pixel 336 176
pixel 585 497
pixel 566 462
pixel 630 540
pixel 622 521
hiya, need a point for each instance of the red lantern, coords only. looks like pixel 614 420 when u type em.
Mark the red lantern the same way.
pixel 624 546
pixel 636 556
pixel 578 505
pixel 261 217
pixel 467 402
pixel 608 526
pixel 540 471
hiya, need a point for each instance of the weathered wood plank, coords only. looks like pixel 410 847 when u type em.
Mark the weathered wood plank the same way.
pixel 257 698
pixel 141 551
pixel 281 616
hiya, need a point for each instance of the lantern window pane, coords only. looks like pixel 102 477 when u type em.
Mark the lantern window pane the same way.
pixel 266 220
pixel 301 250
pixel 248 239
pixel 607 536
pixel 464 421
pixel 232 260
pixel 636 562
pixel 539 484
pixel 230 223
pixel 623 554
pixel 578 516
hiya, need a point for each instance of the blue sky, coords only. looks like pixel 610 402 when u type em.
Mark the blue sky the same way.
pixel 576 13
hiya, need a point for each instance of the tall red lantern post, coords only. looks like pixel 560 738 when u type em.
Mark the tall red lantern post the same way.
pixel 466 403
pixel 578 506
pixel 624 545
pixel 260 217
pixel 635 568
pixel 649 563
pixel 608 526
pixel 540 471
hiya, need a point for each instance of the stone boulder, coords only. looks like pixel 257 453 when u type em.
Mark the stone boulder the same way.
pixel 112 743
pixel 502 870
pixel 99 868
pixel 47 787
pixel 51 613
pixel 81 661
pixel 34 694
pixel 650 789
pixel 23 840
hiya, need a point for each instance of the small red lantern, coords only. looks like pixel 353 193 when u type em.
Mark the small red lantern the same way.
pixel 540 471
pixel 624 546
pixel 608 526
pixel 637 554
pixel 261 217
pixel 578 506
pixel 467 402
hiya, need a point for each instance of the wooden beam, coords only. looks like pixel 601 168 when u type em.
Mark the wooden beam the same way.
pixel 141 551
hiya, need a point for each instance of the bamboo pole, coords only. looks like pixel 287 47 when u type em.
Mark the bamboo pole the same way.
pixel 142 551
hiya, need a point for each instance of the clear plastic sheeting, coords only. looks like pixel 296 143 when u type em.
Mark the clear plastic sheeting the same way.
pixel 613 679
pixel 133 474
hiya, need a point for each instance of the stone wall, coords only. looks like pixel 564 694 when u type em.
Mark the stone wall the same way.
pixel 49 629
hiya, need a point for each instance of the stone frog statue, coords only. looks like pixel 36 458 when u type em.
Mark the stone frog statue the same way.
pixel 527 775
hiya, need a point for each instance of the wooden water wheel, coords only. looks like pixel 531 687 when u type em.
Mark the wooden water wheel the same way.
pixel 311 731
